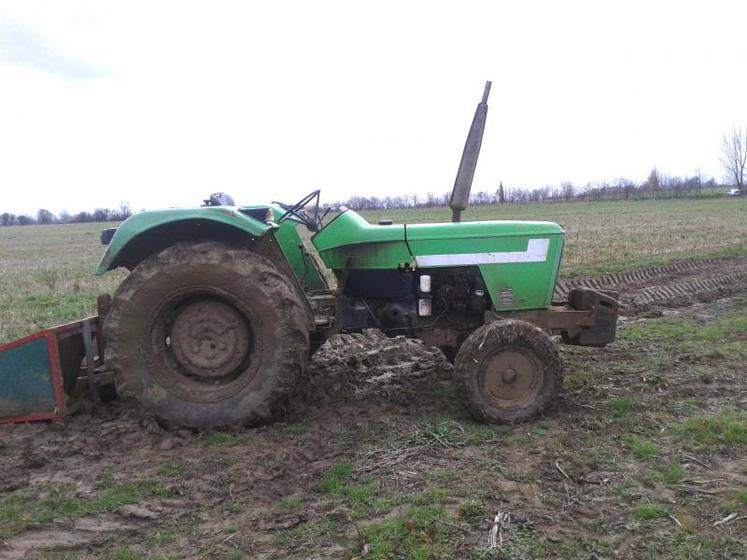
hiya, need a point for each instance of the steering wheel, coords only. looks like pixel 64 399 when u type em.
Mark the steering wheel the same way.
pixel 297 211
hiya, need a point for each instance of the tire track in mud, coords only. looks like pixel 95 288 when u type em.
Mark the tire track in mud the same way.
pixel 676 284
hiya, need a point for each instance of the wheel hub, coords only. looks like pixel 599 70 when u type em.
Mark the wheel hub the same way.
pixel 510 378
pixel 209 339
pixel 509 375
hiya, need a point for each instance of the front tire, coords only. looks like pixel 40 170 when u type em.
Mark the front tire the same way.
pixel 508 371
pixel 206 335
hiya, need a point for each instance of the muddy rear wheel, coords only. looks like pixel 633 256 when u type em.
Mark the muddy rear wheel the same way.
pixel 206 335
pixel 508 371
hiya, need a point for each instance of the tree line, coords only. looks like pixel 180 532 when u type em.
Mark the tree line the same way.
pixel 656 186
pixel 44 217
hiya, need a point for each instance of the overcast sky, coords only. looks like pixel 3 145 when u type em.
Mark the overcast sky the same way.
pixel 160 103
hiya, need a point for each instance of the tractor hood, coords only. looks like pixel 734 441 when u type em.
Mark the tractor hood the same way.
pixel 350 236
pixel 518 261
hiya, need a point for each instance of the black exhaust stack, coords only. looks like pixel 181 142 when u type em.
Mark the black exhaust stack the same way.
pixel 463 182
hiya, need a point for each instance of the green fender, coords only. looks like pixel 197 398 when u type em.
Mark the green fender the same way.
pixel 149 232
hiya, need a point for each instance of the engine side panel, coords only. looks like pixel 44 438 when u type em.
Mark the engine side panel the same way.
pixel 518 261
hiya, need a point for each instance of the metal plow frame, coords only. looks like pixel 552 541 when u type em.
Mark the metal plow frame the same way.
pixel 15 379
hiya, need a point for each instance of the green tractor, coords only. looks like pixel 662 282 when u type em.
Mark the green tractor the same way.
pixel 225 303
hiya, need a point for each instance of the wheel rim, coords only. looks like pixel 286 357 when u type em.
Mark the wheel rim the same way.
pixel 202 346
pixel 209 339
pixel 510 378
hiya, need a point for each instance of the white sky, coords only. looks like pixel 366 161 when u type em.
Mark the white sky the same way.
pixel 161 103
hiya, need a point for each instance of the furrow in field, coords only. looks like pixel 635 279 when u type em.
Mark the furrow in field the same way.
pixel 672 285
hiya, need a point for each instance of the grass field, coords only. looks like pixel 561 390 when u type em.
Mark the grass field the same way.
pixel 47 271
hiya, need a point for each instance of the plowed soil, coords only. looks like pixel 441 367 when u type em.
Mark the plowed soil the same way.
pixel 649 290
pixel 376 458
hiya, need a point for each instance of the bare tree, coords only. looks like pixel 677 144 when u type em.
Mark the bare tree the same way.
pixel 44 217
pixel 734 155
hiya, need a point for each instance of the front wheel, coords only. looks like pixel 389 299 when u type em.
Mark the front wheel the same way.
pixel 205 335
pixel 507 371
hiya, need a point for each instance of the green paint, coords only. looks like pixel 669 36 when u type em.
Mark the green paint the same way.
pixel 144 221
pixel 285 234
pixel 296 253
pixel 26 380
pixel 370 246
pixel 387 247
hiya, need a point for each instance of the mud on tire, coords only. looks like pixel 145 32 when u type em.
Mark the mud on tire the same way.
pixel 205 334
pixel 507 371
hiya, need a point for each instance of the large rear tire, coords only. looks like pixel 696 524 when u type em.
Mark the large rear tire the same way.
pixel 206 335
pixel 508 371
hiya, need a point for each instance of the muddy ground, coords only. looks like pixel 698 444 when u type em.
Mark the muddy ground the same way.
pixel 644 455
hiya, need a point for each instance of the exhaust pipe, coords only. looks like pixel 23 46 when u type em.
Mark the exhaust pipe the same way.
pixel 463 183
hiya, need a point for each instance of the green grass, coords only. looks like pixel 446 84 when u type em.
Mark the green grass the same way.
pixel 289 503
pixel 719 338
pixel 173 469
pixel 673 473
pixel 471 510
pixel 233 506
pixel 124 553
pixel 675 329
pixel 61 503
pixel 727 428
pixel 641 448
pixel 47 276
pixel 307 533
pixel 420 533
pixel 645 512
pixel 623 405
pixel 165 537
pixel 336 479
pixel 448 432
pixel 220 439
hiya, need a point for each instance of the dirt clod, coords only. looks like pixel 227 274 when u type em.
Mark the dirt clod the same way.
pixel 137 512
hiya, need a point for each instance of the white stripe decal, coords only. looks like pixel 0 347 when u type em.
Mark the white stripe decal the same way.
pixel 536 252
